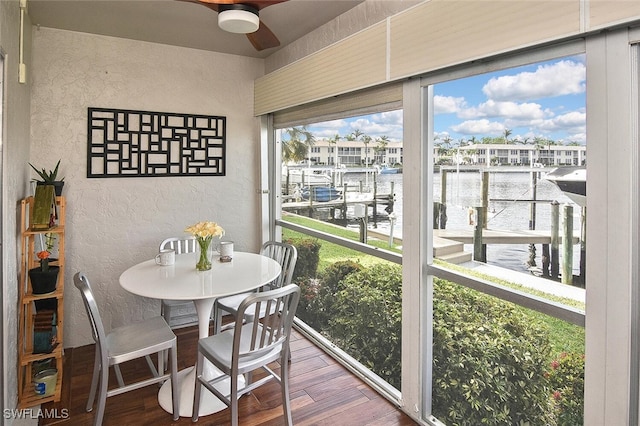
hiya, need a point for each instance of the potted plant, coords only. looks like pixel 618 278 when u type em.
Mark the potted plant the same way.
pixel 50 177
pixel 44 279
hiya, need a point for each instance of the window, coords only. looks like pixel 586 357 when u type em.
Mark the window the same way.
pixel 484 200
pixel 346 219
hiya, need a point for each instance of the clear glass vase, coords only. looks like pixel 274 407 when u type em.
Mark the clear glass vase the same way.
pixel 204 254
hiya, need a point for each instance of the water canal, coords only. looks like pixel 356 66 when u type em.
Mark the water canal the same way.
pixel 511 212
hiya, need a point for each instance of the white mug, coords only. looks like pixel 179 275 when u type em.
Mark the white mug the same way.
pixel 225 248
pixel 166 257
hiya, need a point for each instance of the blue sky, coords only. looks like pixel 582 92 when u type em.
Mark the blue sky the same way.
pixel 546 99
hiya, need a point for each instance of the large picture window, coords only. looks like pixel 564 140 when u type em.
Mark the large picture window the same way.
pixel 505 192
pixel 341 206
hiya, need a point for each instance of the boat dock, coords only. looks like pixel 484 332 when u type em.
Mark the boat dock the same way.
pixel 493 236
pixel 448 244
pixel 308 207
pixel 349 195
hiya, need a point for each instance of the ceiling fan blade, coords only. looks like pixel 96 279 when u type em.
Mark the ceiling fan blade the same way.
pixel 258 4
pixel 264 38
pixel 261 39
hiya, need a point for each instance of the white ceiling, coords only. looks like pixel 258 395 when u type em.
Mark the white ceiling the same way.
pixel 182 23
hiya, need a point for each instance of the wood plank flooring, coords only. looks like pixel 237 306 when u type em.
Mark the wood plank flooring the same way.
pixel 322 393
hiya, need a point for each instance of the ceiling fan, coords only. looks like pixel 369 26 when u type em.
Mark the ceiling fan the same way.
pixel 242 16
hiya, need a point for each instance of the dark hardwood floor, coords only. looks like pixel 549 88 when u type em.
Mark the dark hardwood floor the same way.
pixel 322 393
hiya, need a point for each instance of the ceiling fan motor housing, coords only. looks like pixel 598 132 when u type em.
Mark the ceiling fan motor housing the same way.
pixel 238 18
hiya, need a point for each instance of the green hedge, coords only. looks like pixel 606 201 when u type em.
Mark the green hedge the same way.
pixel 365 319
pixel 490 359
pixel 566 379
pixel 308 257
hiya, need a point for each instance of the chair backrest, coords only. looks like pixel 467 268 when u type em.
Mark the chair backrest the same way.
pixel 286 255
pixel 181 245
pixel 82 283
pixel 261 336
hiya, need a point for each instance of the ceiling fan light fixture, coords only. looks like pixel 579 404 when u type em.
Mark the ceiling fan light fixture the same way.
pixel 238 18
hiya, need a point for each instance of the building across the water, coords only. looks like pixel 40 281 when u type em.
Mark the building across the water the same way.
pixel 513 155
pixel 357 153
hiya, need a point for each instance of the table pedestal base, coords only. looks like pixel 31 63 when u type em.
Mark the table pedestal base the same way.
pixel 209 403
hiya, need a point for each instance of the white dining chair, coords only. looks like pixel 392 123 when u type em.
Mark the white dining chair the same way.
pixel 182 245
pixel 250 346
pixel 126 343
pixel 285 254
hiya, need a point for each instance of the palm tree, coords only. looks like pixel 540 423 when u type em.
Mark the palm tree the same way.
pixel 366 140
pixel 354 136
pixel 506 134
pixel 334 140
pixel 539 143
pixel 381 147
pixel 295 147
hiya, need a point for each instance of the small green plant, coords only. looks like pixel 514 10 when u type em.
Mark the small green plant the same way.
pixel 566 380
pixel 308 256
pixel 48 176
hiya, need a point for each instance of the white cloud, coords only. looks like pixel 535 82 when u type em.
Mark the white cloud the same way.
pixel 385 125
pixel 479 127
pixel 561 78
pixel 328 129
pixel 389 117
pixel 441 135
pixel 447 104
pixel 571 121
pixel 513 110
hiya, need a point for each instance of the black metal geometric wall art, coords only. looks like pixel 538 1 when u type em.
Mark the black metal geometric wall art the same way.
pixel 125 143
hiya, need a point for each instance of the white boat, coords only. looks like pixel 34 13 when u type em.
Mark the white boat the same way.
pixel 305 176
pixel 572 181
pixel 385 169
pixel 389 170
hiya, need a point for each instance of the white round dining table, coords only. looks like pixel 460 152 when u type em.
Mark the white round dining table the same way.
pixel 181 281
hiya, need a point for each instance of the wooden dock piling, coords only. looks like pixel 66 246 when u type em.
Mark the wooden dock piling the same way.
pixel 555 238
pixel 479 249
pixel 567 246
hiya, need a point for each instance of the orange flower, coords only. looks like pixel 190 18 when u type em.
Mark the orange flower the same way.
pixel 44 254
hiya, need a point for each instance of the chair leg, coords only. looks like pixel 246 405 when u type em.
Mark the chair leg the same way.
pixel 234 398
pixel 119 378
pixel 175 387
pixel 284 384
pixel 165 312
pixel 102 395
pixel 198 388
pixel 94 380
pixel 217 315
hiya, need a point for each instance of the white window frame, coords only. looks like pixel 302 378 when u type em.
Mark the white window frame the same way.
pixel 612 326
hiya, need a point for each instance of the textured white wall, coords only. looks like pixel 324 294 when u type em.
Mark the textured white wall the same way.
pixel 15 176
pixel 114 223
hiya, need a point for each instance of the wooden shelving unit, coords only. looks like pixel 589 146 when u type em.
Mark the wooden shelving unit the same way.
pixel 29 359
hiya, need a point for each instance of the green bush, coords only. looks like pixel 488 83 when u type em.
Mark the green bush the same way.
pixel 365 319
pixel 566 380
pixel 333 281
pixel 308 257
pixel 489 361
pixel 307 306
pixel 318 295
